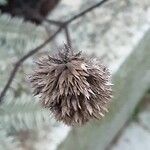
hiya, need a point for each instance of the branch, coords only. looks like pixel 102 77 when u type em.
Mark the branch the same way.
pixel 19 63
pixel 62 25
pixel 68 39
pixel 86 11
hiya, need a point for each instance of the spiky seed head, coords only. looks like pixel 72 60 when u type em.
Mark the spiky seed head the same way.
pixel 73 87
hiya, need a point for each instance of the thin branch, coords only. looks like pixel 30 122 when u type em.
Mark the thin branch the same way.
pixel 36 15
pixel 86 11
pixel 62 25
pixel 18 64
pixel 68 38
pixel 32 52
pixel 57 23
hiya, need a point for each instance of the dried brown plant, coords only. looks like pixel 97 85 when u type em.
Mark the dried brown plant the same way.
pixel 74 88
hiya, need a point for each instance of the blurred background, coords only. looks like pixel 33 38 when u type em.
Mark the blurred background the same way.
pixel 117 31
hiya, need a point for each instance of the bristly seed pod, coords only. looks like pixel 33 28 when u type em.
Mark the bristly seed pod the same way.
pixel 74 88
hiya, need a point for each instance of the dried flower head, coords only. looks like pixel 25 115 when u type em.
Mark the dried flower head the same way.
pixel 74 88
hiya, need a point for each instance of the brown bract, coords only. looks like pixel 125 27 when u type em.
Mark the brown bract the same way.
pixel 74 88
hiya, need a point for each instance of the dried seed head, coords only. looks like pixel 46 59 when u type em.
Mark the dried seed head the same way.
pixel 74 88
